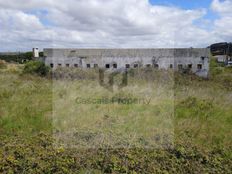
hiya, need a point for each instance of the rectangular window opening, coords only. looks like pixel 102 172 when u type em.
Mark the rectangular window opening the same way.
pixel 171 66
pixel 67 65
pixel 199 66
pixel 180 67
pixel 95 65
pixel 76 65
pixel 190 66
pixel 156 66
pixel 114 65
pixel 107 65
pixel 88 65
pixel 51 65
pixel 127 65
pixel 136 65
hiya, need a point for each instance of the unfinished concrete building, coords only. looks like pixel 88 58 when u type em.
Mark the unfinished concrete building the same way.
pixel 195 60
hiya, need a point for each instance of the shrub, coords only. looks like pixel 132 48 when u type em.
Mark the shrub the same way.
pixel 2 64
pixel 36 67
pixel 194 107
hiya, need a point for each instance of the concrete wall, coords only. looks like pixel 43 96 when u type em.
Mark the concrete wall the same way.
pixel 197 58
pixel 35 52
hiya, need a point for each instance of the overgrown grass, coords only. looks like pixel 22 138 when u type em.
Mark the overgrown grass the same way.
pixel 202 122
pixel 25 102
pixel 115 124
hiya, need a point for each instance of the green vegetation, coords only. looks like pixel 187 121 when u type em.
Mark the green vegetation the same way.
pixel 202 122
pixel 36 67
pixel 18 57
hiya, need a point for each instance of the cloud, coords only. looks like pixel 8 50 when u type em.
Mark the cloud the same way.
pixel 222 7
pixel 104 23
pixel 223 25
pixel 17 20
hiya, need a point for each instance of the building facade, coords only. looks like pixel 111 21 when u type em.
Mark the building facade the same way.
pixel 195 60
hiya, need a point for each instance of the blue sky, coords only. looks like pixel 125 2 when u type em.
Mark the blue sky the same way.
pixel 186 4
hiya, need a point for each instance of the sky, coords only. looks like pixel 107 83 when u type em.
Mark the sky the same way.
pixel 185 4
pixel 25 24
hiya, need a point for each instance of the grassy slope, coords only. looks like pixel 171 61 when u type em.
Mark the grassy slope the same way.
pixel 203 129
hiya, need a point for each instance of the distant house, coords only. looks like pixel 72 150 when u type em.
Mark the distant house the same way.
pixel 222 52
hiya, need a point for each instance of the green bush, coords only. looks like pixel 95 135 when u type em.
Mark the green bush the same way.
pixel 36 67
pixel 195 108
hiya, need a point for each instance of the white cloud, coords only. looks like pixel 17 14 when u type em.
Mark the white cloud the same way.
pixel 17 20
pixel 223 25
pixel 222 7
pixel 104 23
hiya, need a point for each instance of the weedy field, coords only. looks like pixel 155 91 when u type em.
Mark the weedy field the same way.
pixel 194 114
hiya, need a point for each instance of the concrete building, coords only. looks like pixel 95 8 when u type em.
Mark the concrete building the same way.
pixel 221 58
pixel 195 60
pixel 35 52
pixel 222 52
